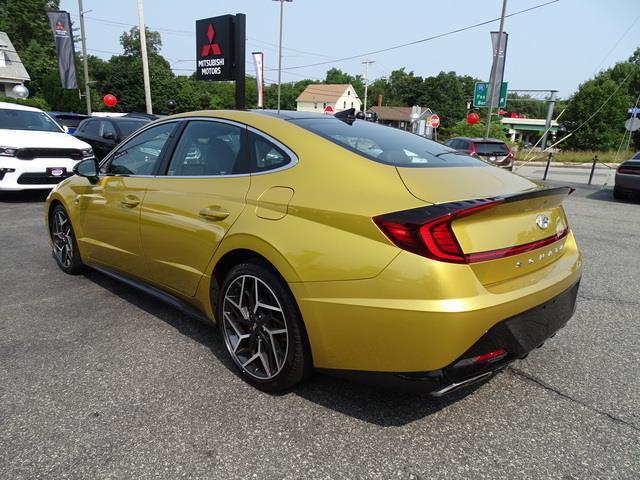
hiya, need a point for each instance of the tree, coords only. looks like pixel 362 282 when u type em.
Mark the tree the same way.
pixel 27 25
pixel 610 93
pixel 131 42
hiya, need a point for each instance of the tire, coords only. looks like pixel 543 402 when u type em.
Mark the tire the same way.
pixel 617 194
pixel 266 338
pixel 65 248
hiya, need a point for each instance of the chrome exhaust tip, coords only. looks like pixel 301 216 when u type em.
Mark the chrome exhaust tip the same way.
pixel 457 385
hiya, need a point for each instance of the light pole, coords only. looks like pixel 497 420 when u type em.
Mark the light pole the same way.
pixel 366 84
pixel 145 59
pixel 280 48
pixel 87 90
pixel 492 80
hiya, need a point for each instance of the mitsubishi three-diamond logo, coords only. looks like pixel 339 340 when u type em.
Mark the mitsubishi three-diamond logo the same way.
pixel 210 48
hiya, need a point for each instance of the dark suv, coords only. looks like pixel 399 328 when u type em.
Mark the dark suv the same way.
pixel 490 150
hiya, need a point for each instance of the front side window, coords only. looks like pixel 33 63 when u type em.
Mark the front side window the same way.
pixel 27 120
pixel 207 148
pixel 107 127
pixel 92 128
pixel 128 126
pixel 139 155
pixel 386 144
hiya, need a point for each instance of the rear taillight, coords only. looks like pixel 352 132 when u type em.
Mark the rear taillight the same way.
pixel 629 170
pixel 428 231
pixel 432 238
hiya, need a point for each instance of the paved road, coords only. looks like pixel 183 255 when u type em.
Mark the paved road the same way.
pixel 101 382
pixel 602 175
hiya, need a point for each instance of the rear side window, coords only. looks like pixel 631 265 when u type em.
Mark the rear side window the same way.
pixel 636 156
pixel 207 148
pixel 387 144
pixel 491 148
pixel 267 155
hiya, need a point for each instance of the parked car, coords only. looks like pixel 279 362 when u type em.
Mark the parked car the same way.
pixel 104 133
pixel 69 121
pixel 627 181
pixel 327 242
pixel 493 151
pixel 35 152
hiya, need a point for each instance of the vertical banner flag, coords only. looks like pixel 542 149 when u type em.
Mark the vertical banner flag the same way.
pixel 258 58
pixel 497 68
pixel 61 25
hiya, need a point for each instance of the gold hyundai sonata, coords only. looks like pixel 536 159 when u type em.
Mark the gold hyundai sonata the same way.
pixel 328 243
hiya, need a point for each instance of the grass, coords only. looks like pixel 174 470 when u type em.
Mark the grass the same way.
pixel 571 156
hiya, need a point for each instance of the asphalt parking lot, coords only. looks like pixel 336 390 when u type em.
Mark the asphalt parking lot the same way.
pixel 98 381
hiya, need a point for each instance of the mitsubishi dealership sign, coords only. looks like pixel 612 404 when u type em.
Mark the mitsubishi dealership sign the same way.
pixel 220 51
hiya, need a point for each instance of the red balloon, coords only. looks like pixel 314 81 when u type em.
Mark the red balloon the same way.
pixel 110 100
pixel 473 118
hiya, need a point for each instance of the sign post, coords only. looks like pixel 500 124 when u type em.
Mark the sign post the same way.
pixel 220 51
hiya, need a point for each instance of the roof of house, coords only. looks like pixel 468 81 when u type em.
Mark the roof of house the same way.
pixel 398 114
pixel 319 92
pixel 11 67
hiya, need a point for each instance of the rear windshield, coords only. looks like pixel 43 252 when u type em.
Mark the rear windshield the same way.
pixel 488 148
pixel 387 144
pixel 128 126
pixel 69 121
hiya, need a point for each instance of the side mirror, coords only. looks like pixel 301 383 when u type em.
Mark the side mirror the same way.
pixel 108 136
pixel 87 168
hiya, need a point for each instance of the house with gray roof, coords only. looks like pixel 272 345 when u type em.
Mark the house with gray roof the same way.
pixel 12 71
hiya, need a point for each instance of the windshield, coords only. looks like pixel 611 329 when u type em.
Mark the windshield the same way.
pixel 489 148
pixel 128 126
pixel 26 120
pixel 386 144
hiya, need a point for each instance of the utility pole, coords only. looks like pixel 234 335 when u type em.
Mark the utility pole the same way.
pixel 366 85
pixel 145 59
pixel 492 80
pixel 550 105
pixel 280 49
pixel 87 91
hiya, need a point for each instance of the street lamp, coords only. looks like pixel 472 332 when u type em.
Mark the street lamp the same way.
pixel 280 48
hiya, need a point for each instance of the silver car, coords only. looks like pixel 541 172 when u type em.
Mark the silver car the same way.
pixel 628 178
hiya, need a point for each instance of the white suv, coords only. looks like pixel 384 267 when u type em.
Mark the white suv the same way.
pixel 35 152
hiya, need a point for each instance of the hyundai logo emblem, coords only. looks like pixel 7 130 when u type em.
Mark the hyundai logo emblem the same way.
pixel 542 221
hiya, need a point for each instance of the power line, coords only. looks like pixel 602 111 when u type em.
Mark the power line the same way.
pixel 422 40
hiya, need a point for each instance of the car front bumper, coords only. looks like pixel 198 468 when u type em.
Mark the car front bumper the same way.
pixel 16 174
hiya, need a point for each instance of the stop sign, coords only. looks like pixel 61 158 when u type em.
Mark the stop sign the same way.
pixel 328 110
pixel 434 121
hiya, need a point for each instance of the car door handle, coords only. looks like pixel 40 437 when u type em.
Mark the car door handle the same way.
pixel 214 213
pixel 130 201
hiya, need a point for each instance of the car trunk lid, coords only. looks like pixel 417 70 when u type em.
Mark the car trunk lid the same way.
pixel 501 224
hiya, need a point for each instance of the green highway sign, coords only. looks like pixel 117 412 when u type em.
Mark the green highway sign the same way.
pixel 481 94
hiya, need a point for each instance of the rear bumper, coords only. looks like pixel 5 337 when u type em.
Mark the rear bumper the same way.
pixel 627 183
pixel 518 335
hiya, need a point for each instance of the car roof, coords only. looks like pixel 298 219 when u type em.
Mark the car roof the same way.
pixel 68 114
pixel 291 114
pixel 478 139
pixel 15 106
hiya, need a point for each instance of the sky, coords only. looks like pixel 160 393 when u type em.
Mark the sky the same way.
pixel 557 46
